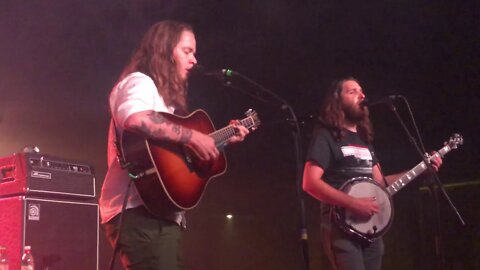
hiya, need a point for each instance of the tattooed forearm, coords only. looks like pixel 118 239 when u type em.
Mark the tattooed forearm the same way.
pixel 158 127
pixel 185 135
pixel 176 129
pixel 158 133
pixel 143 128
pixel 157 118
pixel 150 131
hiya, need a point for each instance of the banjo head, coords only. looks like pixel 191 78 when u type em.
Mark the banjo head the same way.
pixel 372 227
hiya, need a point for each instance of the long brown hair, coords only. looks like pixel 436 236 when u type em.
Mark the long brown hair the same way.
pixel 154 57
pixel 332 116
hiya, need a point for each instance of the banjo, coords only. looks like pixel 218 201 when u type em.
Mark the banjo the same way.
pixel 371 228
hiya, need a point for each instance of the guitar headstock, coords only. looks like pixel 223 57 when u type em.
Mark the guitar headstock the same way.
pixel 253 117
pixel 454 141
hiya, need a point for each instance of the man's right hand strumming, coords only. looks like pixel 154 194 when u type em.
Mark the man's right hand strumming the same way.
pixel 203 146
pixel 365 207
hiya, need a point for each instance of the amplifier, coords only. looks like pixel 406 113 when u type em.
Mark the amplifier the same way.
pixel 45 176
pixel 63 234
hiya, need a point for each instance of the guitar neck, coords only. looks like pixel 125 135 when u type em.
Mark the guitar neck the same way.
pixel 416 171
pixel 222 135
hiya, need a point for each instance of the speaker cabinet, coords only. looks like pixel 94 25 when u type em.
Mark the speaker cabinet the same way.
pixel 62 234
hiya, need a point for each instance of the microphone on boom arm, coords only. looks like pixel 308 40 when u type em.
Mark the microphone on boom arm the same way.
pixel 385 100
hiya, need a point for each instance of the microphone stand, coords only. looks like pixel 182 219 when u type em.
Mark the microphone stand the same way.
pixel 297 140
pixel 438 243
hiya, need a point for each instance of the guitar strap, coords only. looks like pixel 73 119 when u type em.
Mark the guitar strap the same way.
pixel 118 149
pixel 113 131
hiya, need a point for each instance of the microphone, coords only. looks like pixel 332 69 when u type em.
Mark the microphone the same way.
pixel 228 72
pixel 222 73
pixel 384 100
pixel 219 73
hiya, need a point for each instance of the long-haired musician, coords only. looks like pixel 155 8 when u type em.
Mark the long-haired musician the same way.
pixel 340 150
pixel 153 81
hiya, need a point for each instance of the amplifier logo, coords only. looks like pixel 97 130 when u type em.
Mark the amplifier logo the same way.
pixel 33 211
pixel 43 175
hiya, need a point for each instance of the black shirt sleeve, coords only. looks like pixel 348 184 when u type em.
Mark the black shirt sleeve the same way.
pixel 319 150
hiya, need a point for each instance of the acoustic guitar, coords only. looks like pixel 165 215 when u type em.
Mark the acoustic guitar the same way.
pixel 169 177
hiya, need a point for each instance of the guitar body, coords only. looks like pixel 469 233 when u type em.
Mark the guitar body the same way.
pixel 175 178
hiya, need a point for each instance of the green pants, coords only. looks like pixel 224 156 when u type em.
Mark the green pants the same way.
pixel 147 242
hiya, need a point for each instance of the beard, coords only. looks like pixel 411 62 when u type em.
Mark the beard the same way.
pixel 356 113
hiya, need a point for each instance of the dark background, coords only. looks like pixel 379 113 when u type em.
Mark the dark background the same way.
pixel 59 60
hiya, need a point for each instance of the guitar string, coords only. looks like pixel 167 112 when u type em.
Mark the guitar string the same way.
pixel 223 134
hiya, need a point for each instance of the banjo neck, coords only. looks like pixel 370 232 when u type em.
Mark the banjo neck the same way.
pixel 422 166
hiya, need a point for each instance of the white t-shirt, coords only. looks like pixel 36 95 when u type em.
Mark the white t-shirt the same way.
pixel 135 93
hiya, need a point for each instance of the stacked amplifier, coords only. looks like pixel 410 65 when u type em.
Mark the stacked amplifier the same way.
pixel 48 203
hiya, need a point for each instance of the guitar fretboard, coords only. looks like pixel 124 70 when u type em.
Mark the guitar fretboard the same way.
pixel 222 135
